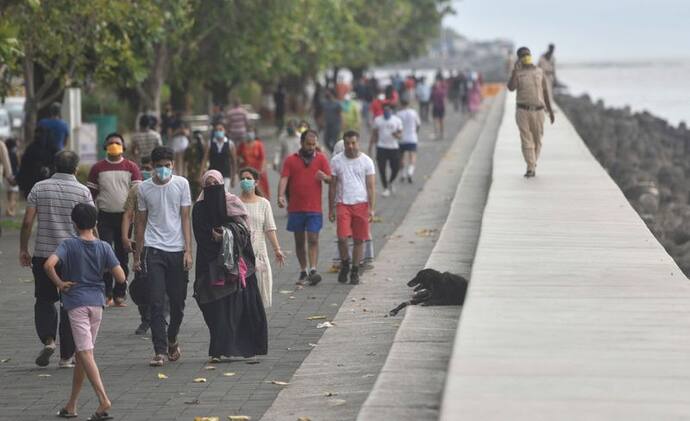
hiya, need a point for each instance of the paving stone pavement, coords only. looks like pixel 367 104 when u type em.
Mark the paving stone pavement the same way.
pixel 336 378
pixel 29 392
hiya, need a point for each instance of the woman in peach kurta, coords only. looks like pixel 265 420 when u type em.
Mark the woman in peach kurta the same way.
pixel 251 153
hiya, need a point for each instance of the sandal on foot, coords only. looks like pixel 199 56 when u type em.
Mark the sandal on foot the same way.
pixel 99 417
pixel 64 413
pixel 174 352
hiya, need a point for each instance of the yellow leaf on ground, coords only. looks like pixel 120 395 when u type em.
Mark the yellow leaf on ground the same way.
pixel 303 419
pixel 209 367
pixel 162 376
pixel 279 383
pixel 316 318
pixel 229 374
pixel 378 219
pixel 44 375
pixel 206 418
pixel 200 380
pixel 239 418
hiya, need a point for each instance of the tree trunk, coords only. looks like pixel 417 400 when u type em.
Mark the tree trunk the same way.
pixel 30 106
pixel 150 89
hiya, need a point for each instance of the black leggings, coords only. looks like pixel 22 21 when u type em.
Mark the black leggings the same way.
pixel 384 156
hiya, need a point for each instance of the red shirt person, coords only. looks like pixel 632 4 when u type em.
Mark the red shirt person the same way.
pixel 302 178
pixel 109 181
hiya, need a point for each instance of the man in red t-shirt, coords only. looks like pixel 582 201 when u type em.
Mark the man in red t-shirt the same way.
pixel 302 177
pixel 109 181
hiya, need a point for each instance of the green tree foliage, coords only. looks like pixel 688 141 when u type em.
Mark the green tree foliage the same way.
pixel 135 46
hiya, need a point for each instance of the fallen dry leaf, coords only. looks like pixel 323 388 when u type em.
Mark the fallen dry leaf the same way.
pixel 285 291
pixel 377 219
pixel 192 402
pixel 330 394
pixel 316 317
pixel 229 374
pixel 292 297
pixel 303 419
pixel 162 376
pixel 311 344
pixel 278 382
pixel 4 360
pixel 200 380
pixel 252 362
pixel 206 418
pixel 336 402
pixel 425 232
pixel 334 269
pixel 239 418
pixel 324 325
pixel 209 367
pixel 44 375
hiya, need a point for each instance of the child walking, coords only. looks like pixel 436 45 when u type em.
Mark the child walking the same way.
pixel 83 260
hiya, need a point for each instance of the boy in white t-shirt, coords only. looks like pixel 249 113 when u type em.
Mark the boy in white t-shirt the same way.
pixel 164 244
pixel 408 143
pixel 352 201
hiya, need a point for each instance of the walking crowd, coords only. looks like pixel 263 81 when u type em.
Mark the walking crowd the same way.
pixel 140 202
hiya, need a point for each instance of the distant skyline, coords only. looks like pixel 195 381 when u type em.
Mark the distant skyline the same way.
pixel 583 30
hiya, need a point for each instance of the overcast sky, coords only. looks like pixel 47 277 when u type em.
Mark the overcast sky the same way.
pixel 583 30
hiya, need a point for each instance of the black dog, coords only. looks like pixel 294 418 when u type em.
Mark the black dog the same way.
pixel 433 288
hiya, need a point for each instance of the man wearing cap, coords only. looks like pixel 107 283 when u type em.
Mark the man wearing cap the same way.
pixel 532 99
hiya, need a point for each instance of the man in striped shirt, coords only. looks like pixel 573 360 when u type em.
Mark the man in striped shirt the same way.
pixel 51 202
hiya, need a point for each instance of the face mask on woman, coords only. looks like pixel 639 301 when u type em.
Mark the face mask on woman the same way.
pixel 145 174
pixel 218 134
pixel 247 185
pixel 250 136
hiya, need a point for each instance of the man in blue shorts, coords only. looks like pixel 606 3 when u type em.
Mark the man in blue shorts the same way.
pixel 303 175
pixel 409 139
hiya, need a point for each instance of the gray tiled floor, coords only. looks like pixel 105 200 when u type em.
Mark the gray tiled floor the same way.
pixel 134 388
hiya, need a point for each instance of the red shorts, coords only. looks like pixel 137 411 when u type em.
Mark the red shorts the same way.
pixel 353 221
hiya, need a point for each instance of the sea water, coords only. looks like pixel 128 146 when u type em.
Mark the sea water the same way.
pixel 659 87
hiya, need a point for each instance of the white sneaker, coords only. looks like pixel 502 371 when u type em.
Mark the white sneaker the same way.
pixel 66 363
pixel 386 193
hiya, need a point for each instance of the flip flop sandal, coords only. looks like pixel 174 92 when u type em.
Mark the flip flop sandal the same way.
pixel 174 352
pixel 99 417
pixel 63 413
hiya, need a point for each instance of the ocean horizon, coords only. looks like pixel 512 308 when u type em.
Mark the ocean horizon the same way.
pixel 660 87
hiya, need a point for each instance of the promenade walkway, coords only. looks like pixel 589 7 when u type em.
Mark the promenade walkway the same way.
pixel 29 392
pixel 574 311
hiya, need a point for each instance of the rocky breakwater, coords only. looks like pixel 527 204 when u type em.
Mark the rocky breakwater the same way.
pixel 650 162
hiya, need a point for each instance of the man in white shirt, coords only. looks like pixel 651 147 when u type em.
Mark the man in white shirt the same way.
pixel 385 136
pixel 408 142
pixel 164 243
pixel 352 198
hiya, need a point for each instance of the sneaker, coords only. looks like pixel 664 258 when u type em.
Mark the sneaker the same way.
pixel 386 193
pixel 354 275
pixel 344 271
pixel 214 360
pixel 157 361
pixel 43 358
pixel 68 363
pixel 142 329
pixel 314 277
pixel 302 278
pixel 409 179
pixel 529 173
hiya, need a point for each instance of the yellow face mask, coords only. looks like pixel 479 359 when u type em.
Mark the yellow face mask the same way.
pixel 114 149
pixel 526 59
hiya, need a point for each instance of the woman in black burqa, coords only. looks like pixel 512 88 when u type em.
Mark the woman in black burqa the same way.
pixel 231 303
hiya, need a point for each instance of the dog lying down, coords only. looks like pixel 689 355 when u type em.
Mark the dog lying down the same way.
pixel 433 288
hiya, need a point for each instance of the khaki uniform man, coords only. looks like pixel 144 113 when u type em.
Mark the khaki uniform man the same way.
pixel 547 63
pixel 532 100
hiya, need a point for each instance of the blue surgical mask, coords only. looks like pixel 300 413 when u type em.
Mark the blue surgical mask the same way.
pixel 218 134
pixel 387 114
pixel 250 136
pixel 247 185
pixel 163 173
pixel 145 174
